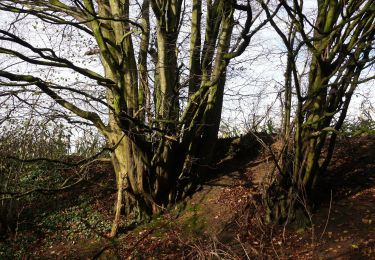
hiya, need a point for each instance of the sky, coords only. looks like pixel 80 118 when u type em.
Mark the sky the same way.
pixel 254 79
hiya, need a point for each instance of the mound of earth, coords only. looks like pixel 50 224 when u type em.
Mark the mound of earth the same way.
pixel 222 221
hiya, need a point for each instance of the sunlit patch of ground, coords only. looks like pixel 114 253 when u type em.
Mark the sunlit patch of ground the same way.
pixel 221 220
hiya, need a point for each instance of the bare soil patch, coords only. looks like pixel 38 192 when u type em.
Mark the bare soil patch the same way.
pixel 222 220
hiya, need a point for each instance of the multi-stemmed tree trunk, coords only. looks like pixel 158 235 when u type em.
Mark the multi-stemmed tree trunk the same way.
pixel 157 148
pixel 341 48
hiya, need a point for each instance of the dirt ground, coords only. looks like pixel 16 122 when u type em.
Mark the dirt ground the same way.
pixel 222 221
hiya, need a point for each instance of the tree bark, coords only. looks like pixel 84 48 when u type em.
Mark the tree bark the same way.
pixel 333 76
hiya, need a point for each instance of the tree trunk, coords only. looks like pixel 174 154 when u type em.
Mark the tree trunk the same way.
pixel 133 172
pixel 289 197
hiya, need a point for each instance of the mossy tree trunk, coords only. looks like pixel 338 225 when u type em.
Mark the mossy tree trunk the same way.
pixel 160 138
pixel 341 49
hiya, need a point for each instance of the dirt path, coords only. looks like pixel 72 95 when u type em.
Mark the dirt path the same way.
pixel 221 219
pixel 342 228
pixel 218 222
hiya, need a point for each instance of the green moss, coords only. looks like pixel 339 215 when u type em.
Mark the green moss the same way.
pixel 194 225
pixel 193 208
pixel 301 221
pixel 153 223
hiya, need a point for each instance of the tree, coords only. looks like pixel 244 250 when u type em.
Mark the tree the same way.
pixel 340 44
pixel 160 137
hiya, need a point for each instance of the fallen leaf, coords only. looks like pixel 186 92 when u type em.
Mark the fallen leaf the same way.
pixel 366 221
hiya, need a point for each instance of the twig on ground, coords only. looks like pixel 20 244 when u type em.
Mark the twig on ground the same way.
pixel 329 214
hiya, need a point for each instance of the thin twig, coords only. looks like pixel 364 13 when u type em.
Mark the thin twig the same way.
pixel 329 214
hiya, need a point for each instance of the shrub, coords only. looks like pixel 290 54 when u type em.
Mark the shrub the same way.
pixel 359 127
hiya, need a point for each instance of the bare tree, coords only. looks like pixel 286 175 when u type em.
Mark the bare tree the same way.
pixel 340 41
pixel 160 137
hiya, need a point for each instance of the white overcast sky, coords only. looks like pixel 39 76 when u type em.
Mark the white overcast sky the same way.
pixel 256 75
